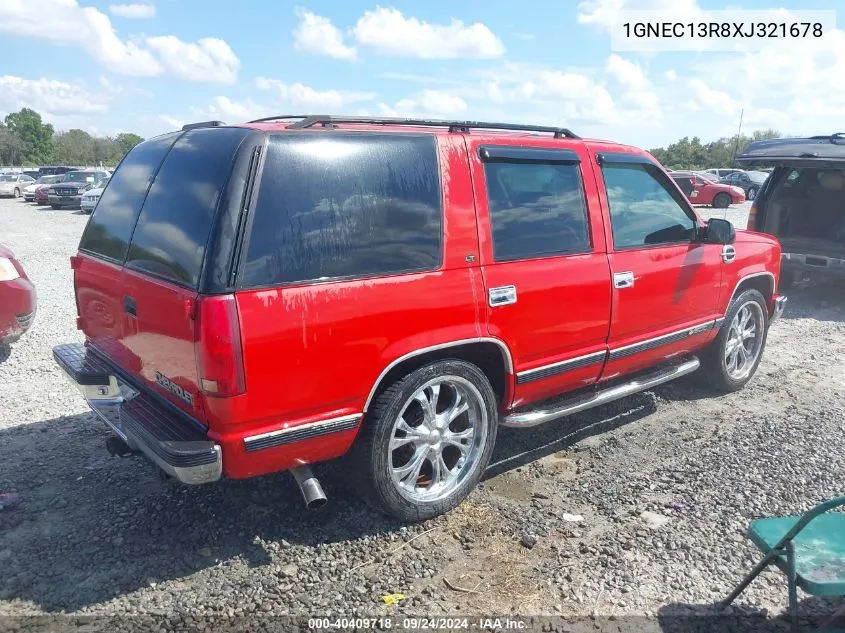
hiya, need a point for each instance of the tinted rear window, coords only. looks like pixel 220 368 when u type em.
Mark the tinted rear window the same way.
pixel 176 219
pixel 110 226
pixel 345 206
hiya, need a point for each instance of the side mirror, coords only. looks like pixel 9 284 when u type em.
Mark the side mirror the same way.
pixel 718 231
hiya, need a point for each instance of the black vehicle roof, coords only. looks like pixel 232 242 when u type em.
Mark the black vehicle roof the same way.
pixel 792 151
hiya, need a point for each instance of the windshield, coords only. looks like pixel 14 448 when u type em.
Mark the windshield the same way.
pixel 757 176
pixel 8 178
pixel 80 176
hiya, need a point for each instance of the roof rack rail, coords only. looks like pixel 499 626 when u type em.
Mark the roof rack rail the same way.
pixel 193 126
pixel 454 126
pixel 279 117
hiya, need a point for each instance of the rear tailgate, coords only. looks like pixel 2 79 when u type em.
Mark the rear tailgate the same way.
pixel 142 315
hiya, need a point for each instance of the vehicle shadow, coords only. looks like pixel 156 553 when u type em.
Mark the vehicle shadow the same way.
pixel 90 528
pixel 816 614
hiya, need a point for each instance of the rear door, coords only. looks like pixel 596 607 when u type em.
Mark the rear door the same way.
pixel 543 262
pixel 165 260
pixel 142 255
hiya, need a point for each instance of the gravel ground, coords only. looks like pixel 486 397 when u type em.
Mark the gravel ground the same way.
pixel 636 509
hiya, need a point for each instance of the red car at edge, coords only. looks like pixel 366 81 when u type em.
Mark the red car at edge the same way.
pixel 17 298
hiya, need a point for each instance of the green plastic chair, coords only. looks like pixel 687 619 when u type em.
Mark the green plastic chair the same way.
pixel 809 549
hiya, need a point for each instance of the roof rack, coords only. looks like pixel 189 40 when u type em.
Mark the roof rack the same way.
pixel 193 126
pixel 327 120
pixel 279 118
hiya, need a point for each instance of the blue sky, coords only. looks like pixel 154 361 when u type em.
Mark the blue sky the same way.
pixel 150 65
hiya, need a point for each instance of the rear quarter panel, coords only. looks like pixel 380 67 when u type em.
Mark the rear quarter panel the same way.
pixel 315 351
pixel 757 255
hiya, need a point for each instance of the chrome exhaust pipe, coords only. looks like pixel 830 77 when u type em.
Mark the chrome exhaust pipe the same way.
pixel 309 486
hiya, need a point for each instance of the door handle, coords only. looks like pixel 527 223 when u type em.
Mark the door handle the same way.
pixel 728 253
pixel 502 296
pixel 623 280
pixel 130 306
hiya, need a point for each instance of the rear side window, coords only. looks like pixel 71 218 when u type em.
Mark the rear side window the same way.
pixel 176 219
pixel 344 206
pixel 108 231
pixel 536 210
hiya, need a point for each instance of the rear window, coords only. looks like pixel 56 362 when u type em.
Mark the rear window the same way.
pixel 176 219
pixel 108 231
pixel 345 206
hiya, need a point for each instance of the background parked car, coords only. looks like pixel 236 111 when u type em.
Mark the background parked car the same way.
pixel 749 181
pixel 17 298
pixel 706 191
pixel 92 196
pixel 14 184
pixel 29 190
pixel 41 191
pixel 721 172
pixel 803 203
pixel 69 192
pixel 55 170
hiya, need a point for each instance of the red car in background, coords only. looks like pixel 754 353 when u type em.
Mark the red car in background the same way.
pixel 42 191
pixel 17 298
pixel 701 190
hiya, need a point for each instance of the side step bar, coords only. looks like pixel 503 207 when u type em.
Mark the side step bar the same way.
pixel 576 404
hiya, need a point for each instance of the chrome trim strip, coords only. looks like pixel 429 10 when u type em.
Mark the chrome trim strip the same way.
pixel 557 368
pixel 433 348
pixel 666 339
pixel 576 405
pixel 301 432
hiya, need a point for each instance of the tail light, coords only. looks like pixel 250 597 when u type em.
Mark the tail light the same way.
pixel 218 347
pixel 752 218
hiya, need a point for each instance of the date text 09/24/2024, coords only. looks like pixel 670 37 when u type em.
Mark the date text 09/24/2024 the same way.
pixel 418 624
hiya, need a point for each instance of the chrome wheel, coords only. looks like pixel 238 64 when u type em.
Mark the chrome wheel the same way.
pixel 752 193
pixel 437 439
pixel 745 341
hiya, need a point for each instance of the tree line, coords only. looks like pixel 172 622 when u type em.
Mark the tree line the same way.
pixel 691 153
pixel 25 140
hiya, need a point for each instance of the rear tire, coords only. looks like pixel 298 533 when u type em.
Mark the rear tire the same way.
pixel 426 441
pixel 17 193
pixel 56 207
pixel 721 201
pixel 752 193
pixel 732 358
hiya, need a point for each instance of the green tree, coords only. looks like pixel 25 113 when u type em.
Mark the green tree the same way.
pixel 36 136
pixel 689 153
pixel 74 147
pixel 125 142
pixel 11 147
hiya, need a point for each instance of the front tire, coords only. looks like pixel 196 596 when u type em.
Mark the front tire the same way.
pixel 426 440
pixel 752 193
pixel 732 358
pixel 17 193
pixel 722 201
pixel 56 207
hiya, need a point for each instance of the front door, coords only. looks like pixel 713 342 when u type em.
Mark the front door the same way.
pixel 543 262
pixel 665 283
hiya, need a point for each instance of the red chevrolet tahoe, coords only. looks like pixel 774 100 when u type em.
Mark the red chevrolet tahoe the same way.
pixel 266 296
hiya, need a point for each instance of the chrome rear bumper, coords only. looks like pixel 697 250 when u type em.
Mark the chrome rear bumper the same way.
pixel 780 306
pixel 168 437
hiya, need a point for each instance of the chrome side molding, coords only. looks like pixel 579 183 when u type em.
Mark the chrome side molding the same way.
pixel 603 396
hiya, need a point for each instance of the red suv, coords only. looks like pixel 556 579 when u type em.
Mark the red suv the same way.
pixel 261 297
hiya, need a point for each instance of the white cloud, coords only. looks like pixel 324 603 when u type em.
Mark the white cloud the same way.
pixel 525 37
pixel 714 100
pixel 318 36
pixel 626 72
pixel 133 11
pixel 208 60
pixel 670 75
pixel 427 103
pixel 302 96
pixel 64 22
pixel 225 109
pixel 49 96
pixel 389 32
pixel 605 13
